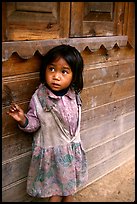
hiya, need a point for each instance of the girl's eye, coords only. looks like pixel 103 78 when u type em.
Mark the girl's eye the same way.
pixel 51 69
pixel 64 72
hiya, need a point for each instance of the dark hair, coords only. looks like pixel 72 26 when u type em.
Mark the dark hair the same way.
pixel 74 59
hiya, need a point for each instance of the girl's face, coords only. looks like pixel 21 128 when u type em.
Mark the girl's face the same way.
pixel 58 75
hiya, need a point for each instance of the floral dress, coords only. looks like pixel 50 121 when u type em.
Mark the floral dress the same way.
pixel 58 165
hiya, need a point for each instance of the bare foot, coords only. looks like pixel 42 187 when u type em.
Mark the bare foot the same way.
pixel 68 199
pixel 55 199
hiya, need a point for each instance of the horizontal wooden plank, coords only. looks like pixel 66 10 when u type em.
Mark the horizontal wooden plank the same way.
pixel 36 6
pixel 25 33
pixel 16 192
pixel 98 7
pixel 110 164
pixel 113 63
pixel 107 130
pixel 105 93
pixel 19 88
pixel 15 169
pixel 104 55
pixel 98 28
pixel 26 51
pixel 16 144
pixel 97 16
pixel 107 72
pixel 16 65
pixel 18 18
pixel 105 150
pixel 107 112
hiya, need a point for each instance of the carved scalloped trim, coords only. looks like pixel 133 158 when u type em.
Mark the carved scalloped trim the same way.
pixel 27 49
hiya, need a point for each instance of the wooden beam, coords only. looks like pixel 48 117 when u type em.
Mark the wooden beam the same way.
pixel 77 9
pixel 131 24
pixel 119 17
pixel 4 21
pixel 26 49
pixel 64 19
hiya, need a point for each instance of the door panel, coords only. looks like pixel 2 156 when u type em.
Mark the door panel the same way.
pixel 36 20
pixel 97 19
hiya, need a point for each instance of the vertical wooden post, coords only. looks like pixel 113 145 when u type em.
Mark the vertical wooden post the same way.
pixel 77 10
pixel 131 24
pixel 119 17
pixel 126 11
pixel 4 21
pixel 64 19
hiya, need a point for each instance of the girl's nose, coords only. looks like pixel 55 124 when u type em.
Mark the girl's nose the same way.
pixel 56 76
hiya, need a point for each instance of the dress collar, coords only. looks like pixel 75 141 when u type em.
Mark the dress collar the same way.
pixel 70 93
pixel 44 95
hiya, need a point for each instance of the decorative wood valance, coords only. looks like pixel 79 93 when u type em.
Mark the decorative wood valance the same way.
pixel 26 49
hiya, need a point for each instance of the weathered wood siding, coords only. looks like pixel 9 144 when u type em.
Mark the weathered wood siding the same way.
pixel 108 120
pixel 108 124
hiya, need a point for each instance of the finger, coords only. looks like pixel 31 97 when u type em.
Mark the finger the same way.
pixel 14 107
pixel 9 113
pixel 17 107
pixel 13 110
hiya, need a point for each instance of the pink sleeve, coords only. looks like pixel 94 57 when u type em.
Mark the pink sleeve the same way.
pixel 31 115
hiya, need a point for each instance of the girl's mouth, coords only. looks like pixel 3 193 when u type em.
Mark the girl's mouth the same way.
pixel 55 85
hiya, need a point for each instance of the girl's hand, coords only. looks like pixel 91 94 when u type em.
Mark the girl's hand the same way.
pixel 17 113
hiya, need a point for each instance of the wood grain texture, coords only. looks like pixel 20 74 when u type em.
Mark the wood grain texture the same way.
pixel 64 19
pixel 107 72
pixel 107 112
pixel 108 92
pixel 16 65
pixel 19 88
pixel 110 147
pixel 18 189
pixel 15 168
pixel 112 163
pixel 76 27
pixel 94 135
pixel 26 49
pixel 33 21
pixel 16 144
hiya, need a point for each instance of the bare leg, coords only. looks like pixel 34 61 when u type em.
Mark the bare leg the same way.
pixel 68 198
pixel 55 199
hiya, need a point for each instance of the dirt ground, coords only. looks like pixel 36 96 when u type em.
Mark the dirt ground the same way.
pixel 117 186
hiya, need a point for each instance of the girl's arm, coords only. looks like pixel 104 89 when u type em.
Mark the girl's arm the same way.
pixel 27 122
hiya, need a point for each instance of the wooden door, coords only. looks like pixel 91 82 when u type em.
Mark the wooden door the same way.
pixel 35 20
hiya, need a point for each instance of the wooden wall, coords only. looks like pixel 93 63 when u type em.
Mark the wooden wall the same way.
pixel 108 117
pixel 108 124
pixel 20 79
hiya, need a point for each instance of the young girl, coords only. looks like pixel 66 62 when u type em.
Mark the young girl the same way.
pixel 58 165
